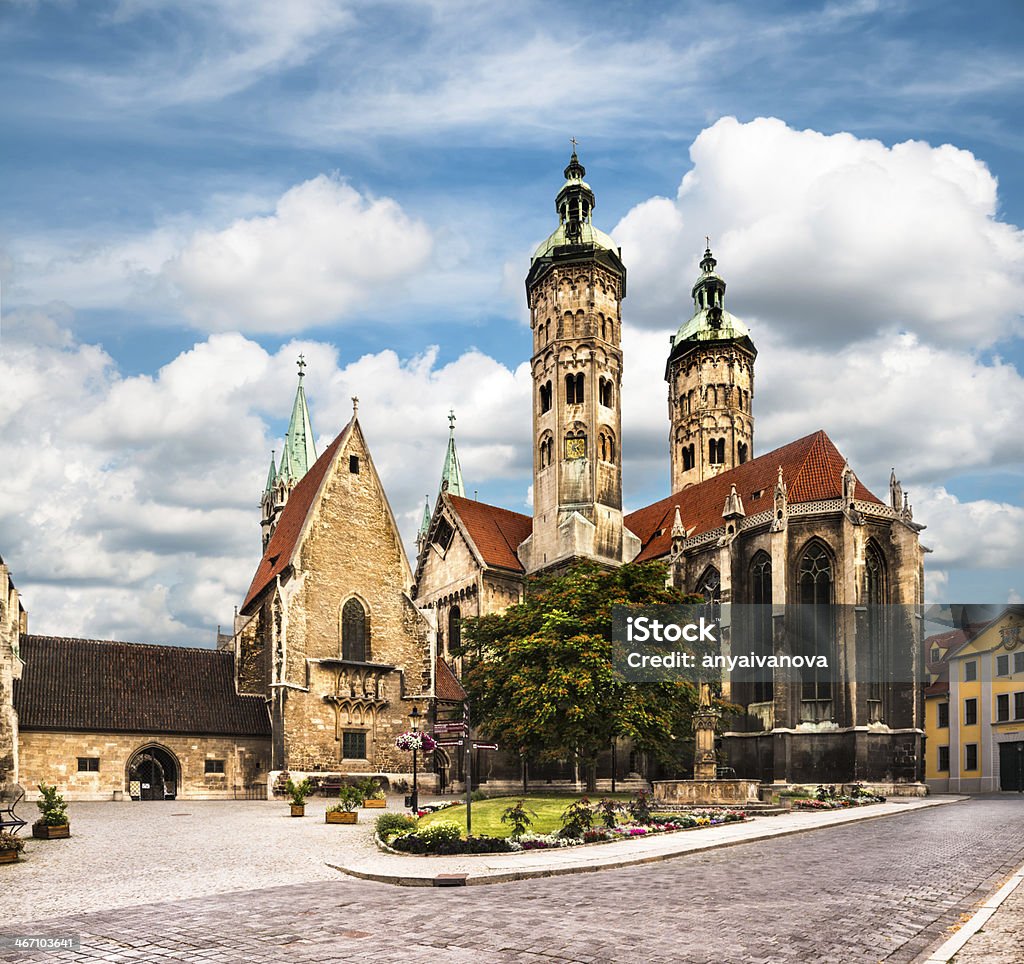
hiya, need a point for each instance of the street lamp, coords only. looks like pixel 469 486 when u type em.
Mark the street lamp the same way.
pixel 414 718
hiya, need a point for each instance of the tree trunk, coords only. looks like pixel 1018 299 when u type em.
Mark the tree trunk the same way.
pixel 592 775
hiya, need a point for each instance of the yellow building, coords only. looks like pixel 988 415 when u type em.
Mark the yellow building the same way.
pixel 974 708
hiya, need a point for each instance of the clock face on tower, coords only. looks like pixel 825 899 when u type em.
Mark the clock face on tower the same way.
pixel 576 448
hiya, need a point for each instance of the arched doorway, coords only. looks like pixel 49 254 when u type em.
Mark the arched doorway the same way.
pixel 153 774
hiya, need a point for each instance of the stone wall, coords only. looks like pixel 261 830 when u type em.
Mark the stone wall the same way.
pixel 13 622
pixel 52 757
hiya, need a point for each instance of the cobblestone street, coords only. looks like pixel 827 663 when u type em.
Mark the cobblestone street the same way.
pixel 884 889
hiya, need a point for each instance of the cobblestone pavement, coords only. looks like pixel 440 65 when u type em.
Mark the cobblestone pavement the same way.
pixel 1001 939
pixel 884 889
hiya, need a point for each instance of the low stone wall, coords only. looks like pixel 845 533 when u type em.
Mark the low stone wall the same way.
pixel 700 793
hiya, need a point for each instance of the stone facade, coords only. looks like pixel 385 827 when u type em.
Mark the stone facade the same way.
pixel 53 757
pixel 13 622
pixel 329 635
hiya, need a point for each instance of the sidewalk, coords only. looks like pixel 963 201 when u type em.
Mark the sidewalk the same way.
pixel 420 871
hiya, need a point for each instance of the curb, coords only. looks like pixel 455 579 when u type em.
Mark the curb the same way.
pixel 501 877
pixel 947 951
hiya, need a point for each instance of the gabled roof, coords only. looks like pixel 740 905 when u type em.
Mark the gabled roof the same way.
pixel 812 469
pixel 281 548
pixel 447 687
pixel 495 532
pixel 97 685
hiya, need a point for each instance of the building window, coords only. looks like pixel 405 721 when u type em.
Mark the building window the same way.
pixel 935 654
pixel 353 632
pixel 1002 707
pixel 1018 662
pixel 215 766
pixel 605 392
pixel 1002 666
pixel 970 671
pixel 741 451
pixel 353 464
pixel 443 534
pixel 88 764
pixel 875 597
pixel 454 630
pixel 814 584
pixel 545 397
pixel 353 745
pixel 716 451
pixel 970 712
pixel 943 709
pixel 943 759
pixel 761 597
pixel 971 756
pixel 1018 706
pixel 574 389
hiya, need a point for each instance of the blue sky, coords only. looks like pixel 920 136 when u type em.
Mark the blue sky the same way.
pixel 194 193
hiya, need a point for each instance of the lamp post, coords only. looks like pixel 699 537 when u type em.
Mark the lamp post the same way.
pixel 414 717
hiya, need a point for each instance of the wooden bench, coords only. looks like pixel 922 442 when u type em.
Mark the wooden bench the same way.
pixel 9 799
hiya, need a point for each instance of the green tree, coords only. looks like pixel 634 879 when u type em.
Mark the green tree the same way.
pixel 540 675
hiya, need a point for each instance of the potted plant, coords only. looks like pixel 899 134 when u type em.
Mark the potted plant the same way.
pixel 10 847
pixel 344 811
pixel 373 794
pixel 298 792
pixel 53 820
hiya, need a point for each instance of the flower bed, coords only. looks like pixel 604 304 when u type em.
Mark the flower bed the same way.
pixel 826 798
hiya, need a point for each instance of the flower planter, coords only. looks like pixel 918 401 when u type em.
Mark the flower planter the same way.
pixel 58 832
pixel 298 811
pixel 9 857
pixel 342 816
pixel 375 803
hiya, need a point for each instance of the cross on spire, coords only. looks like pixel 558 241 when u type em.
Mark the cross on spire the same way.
pixel 707 241
pixel 451 420
pixel 302 364
pixel 574 142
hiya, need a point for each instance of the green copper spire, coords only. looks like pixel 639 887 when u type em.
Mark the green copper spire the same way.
pixel 299 447
pixel 271 475
pixel 451 477
pixel 425 524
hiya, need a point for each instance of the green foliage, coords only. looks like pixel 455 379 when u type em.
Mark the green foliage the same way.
pixel 477 795
pixel 389 823
pixel 52 807
pixel 640 807
pixel 608 810
pixel 370 789
pixel 520 817
pixel 437 835
pixel 577 818
pixel 540 674
pixel 299 791
pixel 349 800
pixel 8 841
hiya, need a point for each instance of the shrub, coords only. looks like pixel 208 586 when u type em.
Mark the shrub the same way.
pixel 389 823
pixel 640 807
pixel 477 795
pixel 410 843
pixel 52 807
pixel 487 845
pixel 825 793
pixel 8 841
pixel 349 799
pixel 299 791
pixel 576 818
pixel 437 835
pixel 519 817
pixel 609 811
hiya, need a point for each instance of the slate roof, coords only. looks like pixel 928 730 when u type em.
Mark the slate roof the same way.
pixel 281 548
pixel 496 532
pixel 812 469
pixel 99 685
pixel 447 687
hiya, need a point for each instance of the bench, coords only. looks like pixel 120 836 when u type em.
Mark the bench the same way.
pixel 9 799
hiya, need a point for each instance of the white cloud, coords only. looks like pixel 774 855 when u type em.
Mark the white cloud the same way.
pixel 982 534
pixel 829 239
pixel 324 251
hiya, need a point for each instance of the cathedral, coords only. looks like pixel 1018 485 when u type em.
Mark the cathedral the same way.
pixel 340 644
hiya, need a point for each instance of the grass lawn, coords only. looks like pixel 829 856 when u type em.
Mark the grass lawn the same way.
pixel 487 813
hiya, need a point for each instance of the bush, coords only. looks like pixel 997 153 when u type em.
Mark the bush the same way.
pixel 389 823
pixel 409 843
pixel 519 817
pixel 609 811
pixel 477 795
pixel 439 835
pixel 640 807
pixel 52 807
pixel 576 818
pixel 487 845
pixel 8 841
pixel 299 791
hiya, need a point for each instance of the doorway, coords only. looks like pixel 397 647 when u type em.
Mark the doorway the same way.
pixel 153 774
pixel 1011 766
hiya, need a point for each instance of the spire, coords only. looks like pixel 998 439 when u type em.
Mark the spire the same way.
pixel 299 447
pixel 451 476
pixel 425 524
pixel 271 475
pixel 575 201
pixel 678 531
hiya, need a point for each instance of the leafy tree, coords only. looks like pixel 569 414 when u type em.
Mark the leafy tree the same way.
pixel 540 675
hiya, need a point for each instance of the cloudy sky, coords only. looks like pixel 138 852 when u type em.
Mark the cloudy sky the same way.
pixel 192 194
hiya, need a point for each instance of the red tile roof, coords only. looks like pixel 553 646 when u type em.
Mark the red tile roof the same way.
pixel 812 468
pixel 446 684
pixel 281 548
pixel 98 685
pixel 496 532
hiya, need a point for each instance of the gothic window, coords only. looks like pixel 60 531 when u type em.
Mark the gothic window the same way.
pixel 875 598
pixel 816 626
pixel 545 397
pixel 741 450
pixel 761 636
pixel 710 587
pixel 454 630
pixel 354 633
pixel 574 389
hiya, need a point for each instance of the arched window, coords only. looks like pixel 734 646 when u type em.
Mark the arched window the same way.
pixel 454 630
pixel 354 632
pixel 687 464
pixel 605 392
pixel 545 451
pixel 815 588
pixel 710 587
pixel 574 389
pixel 875 599
pixel 761 629
pixel 716 451
pixel 741 451
pixel 545 397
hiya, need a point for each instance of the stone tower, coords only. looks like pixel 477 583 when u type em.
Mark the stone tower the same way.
pixel 299 454
pixel 710 375
pixel 574 289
